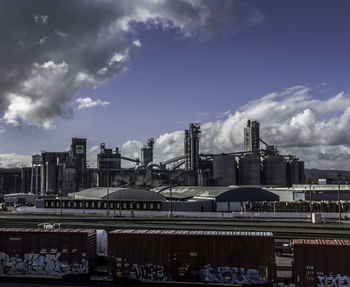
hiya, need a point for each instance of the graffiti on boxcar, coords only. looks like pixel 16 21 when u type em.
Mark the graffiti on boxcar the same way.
pixel 334 281
pixel 230 275
pixel 147 272
pixel 44 264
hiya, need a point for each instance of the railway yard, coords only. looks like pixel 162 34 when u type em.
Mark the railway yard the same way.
pixel 284 230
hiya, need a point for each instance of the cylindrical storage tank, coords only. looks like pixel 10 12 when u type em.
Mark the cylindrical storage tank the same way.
pixel 293 172
pixel 249 170
pixel 301 172
pixel 275 171
pixel 224 170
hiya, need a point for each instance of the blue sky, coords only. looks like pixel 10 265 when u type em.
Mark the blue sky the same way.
pixel 175 67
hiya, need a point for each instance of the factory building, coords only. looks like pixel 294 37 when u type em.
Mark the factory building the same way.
pixel 252 137
pixel 78 157
pixel 51 171
pixel 108 165
pixel 112 199
pixel 60 172
pixel 10 180
pixel 222 199
pixel 65 172
pixel 147 152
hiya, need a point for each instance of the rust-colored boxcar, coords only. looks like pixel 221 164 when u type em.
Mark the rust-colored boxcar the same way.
pixel 184 255
pixel 46 252
pixel 318 262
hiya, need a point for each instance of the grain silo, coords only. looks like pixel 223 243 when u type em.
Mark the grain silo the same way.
pixel 292 172
pixel 301 172
pixel 274 171
pixel 249 170
pixel 224 170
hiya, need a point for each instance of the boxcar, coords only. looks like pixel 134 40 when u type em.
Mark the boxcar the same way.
pixel 46 252
pixel 320 262
pixel 201 256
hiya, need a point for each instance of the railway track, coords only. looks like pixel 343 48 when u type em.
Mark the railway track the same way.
pixel 282 230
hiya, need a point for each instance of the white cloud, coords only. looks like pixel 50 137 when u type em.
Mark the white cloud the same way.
pixel 61 34
pixel 94 148
pixel 42 40
pixel 11 160
pixel 102 37
pixel 131 149
pixel 316 131
pixel 41 19
pixel 85 103
pixel 137 43
pixel 41 89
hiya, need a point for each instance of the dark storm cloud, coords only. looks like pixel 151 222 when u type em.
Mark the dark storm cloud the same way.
pixel 50 49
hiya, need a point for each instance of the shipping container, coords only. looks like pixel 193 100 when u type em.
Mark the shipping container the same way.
pixel 199 256
pixel 319 262
pixel 47 252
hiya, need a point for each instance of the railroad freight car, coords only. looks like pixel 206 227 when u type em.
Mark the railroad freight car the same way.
pixel 47 252
pixel 319 262
pixel 246 258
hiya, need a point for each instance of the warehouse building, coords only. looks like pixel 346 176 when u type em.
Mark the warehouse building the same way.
pixel 107 198
pixel 222 199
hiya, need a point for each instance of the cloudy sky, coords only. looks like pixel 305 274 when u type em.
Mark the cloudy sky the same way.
pixel 123 71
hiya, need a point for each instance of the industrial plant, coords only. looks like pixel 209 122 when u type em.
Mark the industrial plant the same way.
pixel 66 172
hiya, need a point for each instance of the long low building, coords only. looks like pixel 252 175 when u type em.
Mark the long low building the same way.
pixel 181 198
pixel 231 198
pixel 107 198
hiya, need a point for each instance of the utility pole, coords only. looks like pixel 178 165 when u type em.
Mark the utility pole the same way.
pixel 108 196
pixel 15 176
pixel 339 207
pixel 310 201
pixel 61 200
pixel 171 202
pixel 120 202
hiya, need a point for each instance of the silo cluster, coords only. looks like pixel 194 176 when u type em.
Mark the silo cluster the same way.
pixel 251 169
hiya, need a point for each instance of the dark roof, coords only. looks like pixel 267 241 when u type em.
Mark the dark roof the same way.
pixel 248 194
pixel 114 193
pixel 231 193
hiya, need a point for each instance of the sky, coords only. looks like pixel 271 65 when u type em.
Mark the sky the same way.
pixel 120 72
